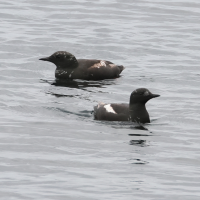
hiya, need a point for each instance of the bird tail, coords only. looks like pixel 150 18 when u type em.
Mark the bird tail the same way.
pixel 121 68
pixel 96 109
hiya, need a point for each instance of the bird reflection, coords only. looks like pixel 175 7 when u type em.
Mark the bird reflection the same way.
pixel 139 161
pixel 136 134
pixel 79 84
pixel 140 127
pixel 141 143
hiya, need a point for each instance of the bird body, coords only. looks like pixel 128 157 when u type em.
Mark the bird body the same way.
pixel 112 112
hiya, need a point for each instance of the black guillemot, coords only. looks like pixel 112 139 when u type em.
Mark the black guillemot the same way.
pixel 134 111
pixel 68 67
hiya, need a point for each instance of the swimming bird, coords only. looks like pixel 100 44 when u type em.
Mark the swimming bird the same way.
pixel 68 67
pixel 134 111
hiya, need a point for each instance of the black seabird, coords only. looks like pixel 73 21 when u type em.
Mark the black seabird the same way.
pixel 68 67
pixel 134 111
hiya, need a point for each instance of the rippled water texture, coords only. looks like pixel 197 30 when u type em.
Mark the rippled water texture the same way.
pixel 50 145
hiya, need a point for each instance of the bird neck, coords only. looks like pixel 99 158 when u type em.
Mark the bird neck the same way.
pixel 73 63
pixel 139 113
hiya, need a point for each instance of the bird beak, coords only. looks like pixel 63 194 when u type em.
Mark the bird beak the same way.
pixel 154 95
pixel 45 59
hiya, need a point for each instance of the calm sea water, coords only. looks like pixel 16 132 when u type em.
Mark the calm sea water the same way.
pixel 50 145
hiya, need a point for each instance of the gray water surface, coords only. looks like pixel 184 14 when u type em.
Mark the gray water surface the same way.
pixel 50 145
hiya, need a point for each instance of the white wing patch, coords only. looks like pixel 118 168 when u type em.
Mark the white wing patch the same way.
pixel 109 108
pixel 102 63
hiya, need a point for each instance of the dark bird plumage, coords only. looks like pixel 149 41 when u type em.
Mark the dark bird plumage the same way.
pixel 68 67
pixel 134 111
